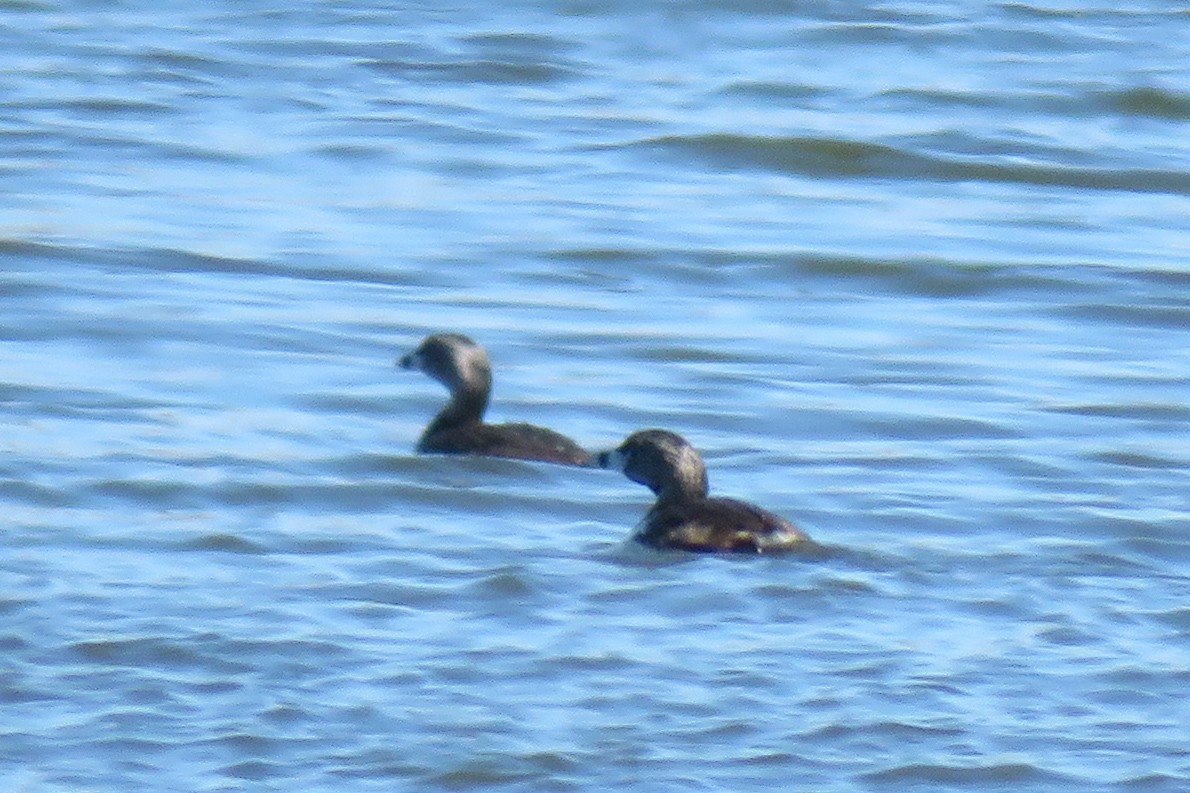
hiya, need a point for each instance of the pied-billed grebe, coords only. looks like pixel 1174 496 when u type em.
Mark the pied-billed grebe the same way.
pixel 684 516
pixel 462 366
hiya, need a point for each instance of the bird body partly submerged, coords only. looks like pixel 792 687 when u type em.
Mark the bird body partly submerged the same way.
pixel 684 516
pixel 717 524
pixel 462 366
pixel 516 440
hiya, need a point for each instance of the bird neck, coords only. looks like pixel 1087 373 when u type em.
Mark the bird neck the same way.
pixel 684 487
pixel 464 407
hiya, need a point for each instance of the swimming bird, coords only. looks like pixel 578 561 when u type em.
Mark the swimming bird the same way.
pixel 684 516
pixel 462 366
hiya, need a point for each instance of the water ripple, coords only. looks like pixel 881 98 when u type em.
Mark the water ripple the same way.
pixel 897 270
pixel 841 158
pixel 981 775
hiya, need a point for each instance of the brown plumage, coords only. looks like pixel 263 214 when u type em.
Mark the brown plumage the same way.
pixel 684 516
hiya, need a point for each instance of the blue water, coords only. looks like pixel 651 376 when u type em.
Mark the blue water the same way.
pixel 913 275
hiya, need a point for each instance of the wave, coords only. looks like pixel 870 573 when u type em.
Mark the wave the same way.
pixel 841 158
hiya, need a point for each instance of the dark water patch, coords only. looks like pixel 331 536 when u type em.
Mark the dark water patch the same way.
pixel 329 546
pixel 1031 469
pixel 328 54
pixel 287 714
pixel 113 107
pixel 1163 278
pixel 874 33
pixel 769 91
pixel 35 494
pixel 675 353
pixel 1178 618
pixel 726 11
pixel 902 731
pixel 704 606
pixel 743 678
pixel 168 260
pixel 383 124
pixel 820 157
pixel 510 582
pixel 1149 102
pixel 985 776
pixel 16 693
pixel 76 403
pixel 256 770
pixel 182 66
pixel 1140 679
pixel 1067 636
pixel 43 251
pixel 175 261
pixel 1146 411
pixel 842 562
pixel 915 275
pixel 1102 549
pixel 840 158
pixel 1156 783
pixel 813 589
pixel 604 255
pixel 418 597
pixel 861 671
pixel 126 332
pixel 29 290
pixel 1040 102
pixel 27 6
pixel 498 772
pixel 519 44
pixel 579 278
pixel 349 497
pixel 285 657
pixel 473 72
pixel 1175 316
pixel 131 146
pixel 1126 459
pixel 715 736
pixel 837 586
pixel 227 543
pixel 1130 700
pixel 964 147
pixel 348 405
pixel 1034 11
pixel 1034 42
pixel 353 152
pixel 160 493
pixel 375 764
pixel 157 652
pixel 266 489
pixel 1006 607
pixel 1165 549
pixel 12 605
pixel 936 428
pixel 133 731
pixel 399 464
pixel 469 474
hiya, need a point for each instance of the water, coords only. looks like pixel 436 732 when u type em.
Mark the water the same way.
pixel 910 274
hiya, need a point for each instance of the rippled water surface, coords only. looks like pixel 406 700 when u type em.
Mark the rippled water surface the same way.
pixel 913 275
